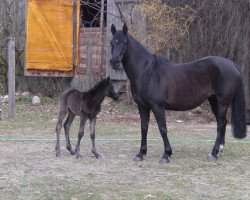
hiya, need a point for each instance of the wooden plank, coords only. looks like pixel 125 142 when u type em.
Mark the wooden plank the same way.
pixel 11 77
pixel 247 90
pixel 101 36
pixel 74 39
pixel 49 73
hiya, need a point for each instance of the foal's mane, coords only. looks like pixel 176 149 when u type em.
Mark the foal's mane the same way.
pixel 97 86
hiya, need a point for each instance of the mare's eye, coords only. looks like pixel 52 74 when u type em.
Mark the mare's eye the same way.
pixel 116 41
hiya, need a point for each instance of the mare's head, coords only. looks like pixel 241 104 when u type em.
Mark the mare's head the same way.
pixel 118 45
pixel 109 89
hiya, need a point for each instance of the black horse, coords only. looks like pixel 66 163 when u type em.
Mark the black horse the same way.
pixel 86 105
pixel 158 84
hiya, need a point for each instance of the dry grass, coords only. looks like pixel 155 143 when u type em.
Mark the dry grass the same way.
pixel 30 170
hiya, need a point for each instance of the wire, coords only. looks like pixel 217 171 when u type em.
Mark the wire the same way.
pixel 126 139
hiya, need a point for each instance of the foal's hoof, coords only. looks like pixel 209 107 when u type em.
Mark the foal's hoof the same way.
pixel 210 157
pixel 137 159
pixel 72 152
pixel 164 160
pixel 58 154
pixel 78 156
pixel 97 156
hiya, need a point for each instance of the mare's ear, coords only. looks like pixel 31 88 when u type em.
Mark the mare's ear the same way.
pixel 108 79
pixel 113 29
pixel 125 29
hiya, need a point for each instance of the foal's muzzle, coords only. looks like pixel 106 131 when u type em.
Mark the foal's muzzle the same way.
pixel 114 96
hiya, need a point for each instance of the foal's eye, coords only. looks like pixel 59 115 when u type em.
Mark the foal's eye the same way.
pixel 116 41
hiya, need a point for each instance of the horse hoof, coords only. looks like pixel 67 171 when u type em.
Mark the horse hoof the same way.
pixel 72 153
pixel 164 160
pixel 78 156
pixel 210 157
pixel 137 159
pixel 221 147
pixel 58 154
pixel 97 156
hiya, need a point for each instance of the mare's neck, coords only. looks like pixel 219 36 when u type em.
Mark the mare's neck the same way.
pixel 136 60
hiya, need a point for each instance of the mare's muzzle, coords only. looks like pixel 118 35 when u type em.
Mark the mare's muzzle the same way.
pixel 115 63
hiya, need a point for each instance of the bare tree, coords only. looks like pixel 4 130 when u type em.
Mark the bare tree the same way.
pixel 12 23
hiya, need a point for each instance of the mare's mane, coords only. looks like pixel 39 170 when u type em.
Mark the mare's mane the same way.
pixel 158 58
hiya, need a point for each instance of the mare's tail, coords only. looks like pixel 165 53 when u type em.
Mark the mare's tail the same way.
pixel 238 119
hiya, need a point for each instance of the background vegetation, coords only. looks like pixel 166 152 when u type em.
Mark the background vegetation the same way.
pixel 182 30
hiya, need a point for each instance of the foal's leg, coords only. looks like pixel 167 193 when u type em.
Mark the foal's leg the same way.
pixel 92 122
pixel 80 135
pixel 62 114
pixel 160 117
pixel 144 115
pixel 221 129
pixel 67 124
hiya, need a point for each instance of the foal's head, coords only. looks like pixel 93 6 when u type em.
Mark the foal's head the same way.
pixel 109 89
pixel 118 45
pixel 106 88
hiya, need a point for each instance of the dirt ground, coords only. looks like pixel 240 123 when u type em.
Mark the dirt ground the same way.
pixel 30 170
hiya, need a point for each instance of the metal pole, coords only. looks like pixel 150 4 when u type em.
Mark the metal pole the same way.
pixel 11 77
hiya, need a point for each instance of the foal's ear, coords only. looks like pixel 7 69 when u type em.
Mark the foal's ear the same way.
pixel 113 29
pixel 108 79
pixel 101 77
pixel 125 29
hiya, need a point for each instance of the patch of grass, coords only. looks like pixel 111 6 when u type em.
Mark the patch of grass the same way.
pixel 49 101
pixel 30 170
pixel 25 100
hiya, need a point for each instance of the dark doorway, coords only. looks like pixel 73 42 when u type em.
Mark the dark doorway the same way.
pixel 91 13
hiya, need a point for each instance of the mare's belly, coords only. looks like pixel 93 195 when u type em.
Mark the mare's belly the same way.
pixel 185 102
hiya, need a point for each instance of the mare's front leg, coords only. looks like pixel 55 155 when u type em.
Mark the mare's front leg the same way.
pixel 80 135
pixel 92 136
pixel 67 124
pixel 160 117
pixel 144 115
pixel 62 114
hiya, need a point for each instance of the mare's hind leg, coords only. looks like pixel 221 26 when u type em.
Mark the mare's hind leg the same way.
pixel 67 124
pixel 80 135
pixel 62 114
pixel 221 129
pixel 92 136
pixel 160 117
pixel 214 106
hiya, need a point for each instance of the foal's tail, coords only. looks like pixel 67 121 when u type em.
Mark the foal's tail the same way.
pixel 238 119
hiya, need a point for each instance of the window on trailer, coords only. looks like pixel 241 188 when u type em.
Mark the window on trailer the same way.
pixel 91 13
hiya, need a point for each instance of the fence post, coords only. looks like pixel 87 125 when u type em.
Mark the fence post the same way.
pixel 11 77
